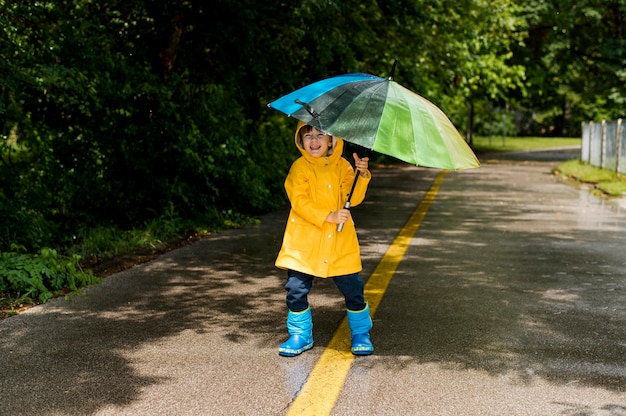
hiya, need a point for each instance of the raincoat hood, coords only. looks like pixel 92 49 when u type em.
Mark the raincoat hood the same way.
pixel 334 153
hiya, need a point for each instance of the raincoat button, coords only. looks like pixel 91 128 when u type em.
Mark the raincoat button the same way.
pixel 325 261
pixel 330 236
pixel 330 186
pixel 293 220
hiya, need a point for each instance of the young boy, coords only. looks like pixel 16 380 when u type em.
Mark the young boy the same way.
pixel 318 185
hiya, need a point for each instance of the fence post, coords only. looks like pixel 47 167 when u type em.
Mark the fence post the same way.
pixel 591 142
pixel 618 146
pixel 585 147
pixel 603 151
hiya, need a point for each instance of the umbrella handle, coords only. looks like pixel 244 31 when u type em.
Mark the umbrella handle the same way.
pixel 347 204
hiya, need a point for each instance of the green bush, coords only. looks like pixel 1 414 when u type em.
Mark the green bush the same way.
pixel 22 225
pixel 38 276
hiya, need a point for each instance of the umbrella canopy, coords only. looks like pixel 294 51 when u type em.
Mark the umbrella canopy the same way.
pixel 381 115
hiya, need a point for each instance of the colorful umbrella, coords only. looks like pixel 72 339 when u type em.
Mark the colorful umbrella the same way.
pixel 381 115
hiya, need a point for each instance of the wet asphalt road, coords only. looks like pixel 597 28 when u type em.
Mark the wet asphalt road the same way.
pixel 511 300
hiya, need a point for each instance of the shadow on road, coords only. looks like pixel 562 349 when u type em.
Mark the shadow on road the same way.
pixel 225 285
pixel 512 273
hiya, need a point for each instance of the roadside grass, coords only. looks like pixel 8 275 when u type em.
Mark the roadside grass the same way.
pixel 99 245
pixel 605 181
pixel 28 279
pixel 485 144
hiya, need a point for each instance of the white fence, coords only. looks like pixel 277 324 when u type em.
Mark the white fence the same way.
pixel 604 145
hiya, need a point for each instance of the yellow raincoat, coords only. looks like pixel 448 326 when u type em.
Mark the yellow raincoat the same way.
pixel 315 187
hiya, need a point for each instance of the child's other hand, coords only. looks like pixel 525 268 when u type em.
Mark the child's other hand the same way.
pixel 361 164
pixel 338 217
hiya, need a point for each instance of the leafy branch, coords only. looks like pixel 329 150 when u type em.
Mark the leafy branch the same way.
pixel 38 276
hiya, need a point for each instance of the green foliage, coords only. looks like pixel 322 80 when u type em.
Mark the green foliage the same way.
pixel 23 226
pixel 38 276
pixel 574 57
pixel 104 131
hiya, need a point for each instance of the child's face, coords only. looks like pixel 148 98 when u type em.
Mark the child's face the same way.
pixel 316 143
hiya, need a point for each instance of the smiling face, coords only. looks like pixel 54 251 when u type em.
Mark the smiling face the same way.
pixel 316 143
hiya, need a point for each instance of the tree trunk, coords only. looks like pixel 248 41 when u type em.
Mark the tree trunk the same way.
pixel 168 55
pixel 619 20
pixel 470 124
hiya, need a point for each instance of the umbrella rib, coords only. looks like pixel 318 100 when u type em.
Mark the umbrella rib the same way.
pixel 437 128
pixel 358 121
pixel 338 110
pixel 367 111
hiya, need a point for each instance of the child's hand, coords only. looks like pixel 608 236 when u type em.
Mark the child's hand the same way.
pixel 338 217
pixel 361 164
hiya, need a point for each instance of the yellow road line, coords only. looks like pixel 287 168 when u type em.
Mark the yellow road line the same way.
pixel 320 392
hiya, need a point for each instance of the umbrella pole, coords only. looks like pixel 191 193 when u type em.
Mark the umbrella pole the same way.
pixel 347 204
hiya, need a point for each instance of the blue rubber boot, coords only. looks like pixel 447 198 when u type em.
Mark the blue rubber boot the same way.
pixel 360 324
pixel 300 328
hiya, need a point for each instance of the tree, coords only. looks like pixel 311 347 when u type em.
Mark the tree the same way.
pixel 574 58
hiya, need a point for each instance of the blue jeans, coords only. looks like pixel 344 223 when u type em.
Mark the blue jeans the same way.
pixel 299 285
